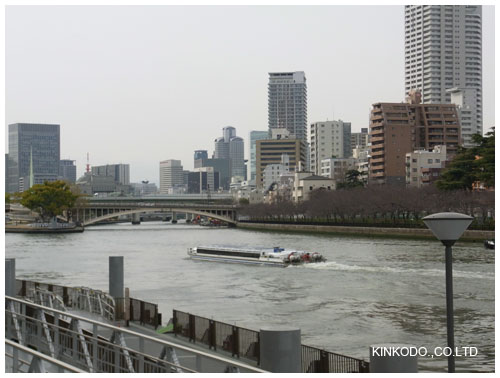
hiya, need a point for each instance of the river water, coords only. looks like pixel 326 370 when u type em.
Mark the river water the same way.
pixel 370 291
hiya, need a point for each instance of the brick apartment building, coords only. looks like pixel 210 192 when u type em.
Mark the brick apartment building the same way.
pixel 399 128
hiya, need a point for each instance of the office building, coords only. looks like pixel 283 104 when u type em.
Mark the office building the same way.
pixel 67 170
pixel 38 144
pixel 424 167
pixel 171 176
pixel 399 128
pixel 443 59
pixel 287 103
pixel 231 147
pixel 119 172
pixel 254 137
pixel 203 180
pixel 222 166
pixel 329 139
pixel 270 151
pixel 200 154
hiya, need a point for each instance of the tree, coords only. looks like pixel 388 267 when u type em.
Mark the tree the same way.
pixel 471 165
pixel 352 180
pixel 49 199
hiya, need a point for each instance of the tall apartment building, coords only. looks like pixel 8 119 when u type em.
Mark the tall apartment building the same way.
pixel 254 137
pixel 171 175
pixel 359 140
pixel 119 172
pixel 287 103
pixel 37 143
pixel 270 151
pixel 231 148
pixel 329 139
pixel 399 128
pixel 67 170
pixel 443 59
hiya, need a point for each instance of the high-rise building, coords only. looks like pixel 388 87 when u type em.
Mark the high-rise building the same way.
pixel 329 139
pixel 34 143
pixel 200 154
pixel 254 137
pixel 119 172
pixel 67 170
pixel 287 103
pixel 230 147
pixel 443 59
pixel 171 175
pixel 399 128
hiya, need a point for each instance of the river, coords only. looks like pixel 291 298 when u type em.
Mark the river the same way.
pixel 370 291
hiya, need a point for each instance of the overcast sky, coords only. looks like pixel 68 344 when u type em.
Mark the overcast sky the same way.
pixel 141 84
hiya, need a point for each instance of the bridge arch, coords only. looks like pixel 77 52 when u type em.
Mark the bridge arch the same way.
pixel 154 210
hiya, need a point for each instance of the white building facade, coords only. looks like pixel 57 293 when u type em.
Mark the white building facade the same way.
pixel 423 167
pixel 171 176
pixel 329 139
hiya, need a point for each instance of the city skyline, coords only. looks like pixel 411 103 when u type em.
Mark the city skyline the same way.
pixel 145 93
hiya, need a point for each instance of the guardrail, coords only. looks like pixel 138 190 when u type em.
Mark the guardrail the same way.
pixel 90 300
pixel 245 343
pixel 240 342
pixel 16 361
pixel 144 312
pixel 94 346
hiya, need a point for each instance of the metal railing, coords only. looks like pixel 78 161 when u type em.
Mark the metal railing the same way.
pixel 239 342
pixel 76 298
pixel 94 346
pixel 88 300
pixel 245 343
pixel 17 361
pixel 144 312
pixel 316 360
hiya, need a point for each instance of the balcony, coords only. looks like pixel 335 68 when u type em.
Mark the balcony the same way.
pixel 374 140
pixel 377 174
pixel 376 160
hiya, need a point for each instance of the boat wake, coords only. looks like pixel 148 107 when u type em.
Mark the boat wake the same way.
pixel 334 266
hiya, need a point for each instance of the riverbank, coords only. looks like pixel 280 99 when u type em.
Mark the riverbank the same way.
pixel 24 228
pixel 407 233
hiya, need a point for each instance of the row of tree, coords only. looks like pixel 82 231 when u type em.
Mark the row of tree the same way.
pixel 390 203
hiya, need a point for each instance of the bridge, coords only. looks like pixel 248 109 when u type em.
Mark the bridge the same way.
pixel 98 209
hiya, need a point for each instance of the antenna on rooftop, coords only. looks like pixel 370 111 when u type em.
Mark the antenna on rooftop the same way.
pixel 88 165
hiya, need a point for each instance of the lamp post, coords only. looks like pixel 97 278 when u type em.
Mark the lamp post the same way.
pixel 448 227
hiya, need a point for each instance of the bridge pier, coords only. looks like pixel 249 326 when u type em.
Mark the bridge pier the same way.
pixel 136 218
pixel 174 217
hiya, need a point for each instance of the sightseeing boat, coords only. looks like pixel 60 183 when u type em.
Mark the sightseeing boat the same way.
pixel 267 256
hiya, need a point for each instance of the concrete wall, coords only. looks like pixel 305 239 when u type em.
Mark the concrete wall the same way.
pixel 478 236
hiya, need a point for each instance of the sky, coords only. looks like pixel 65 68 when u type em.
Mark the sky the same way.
pixel 142 84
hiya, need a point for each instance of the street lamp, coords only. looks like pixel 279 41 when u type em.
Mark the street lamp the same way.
pixel 448 227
